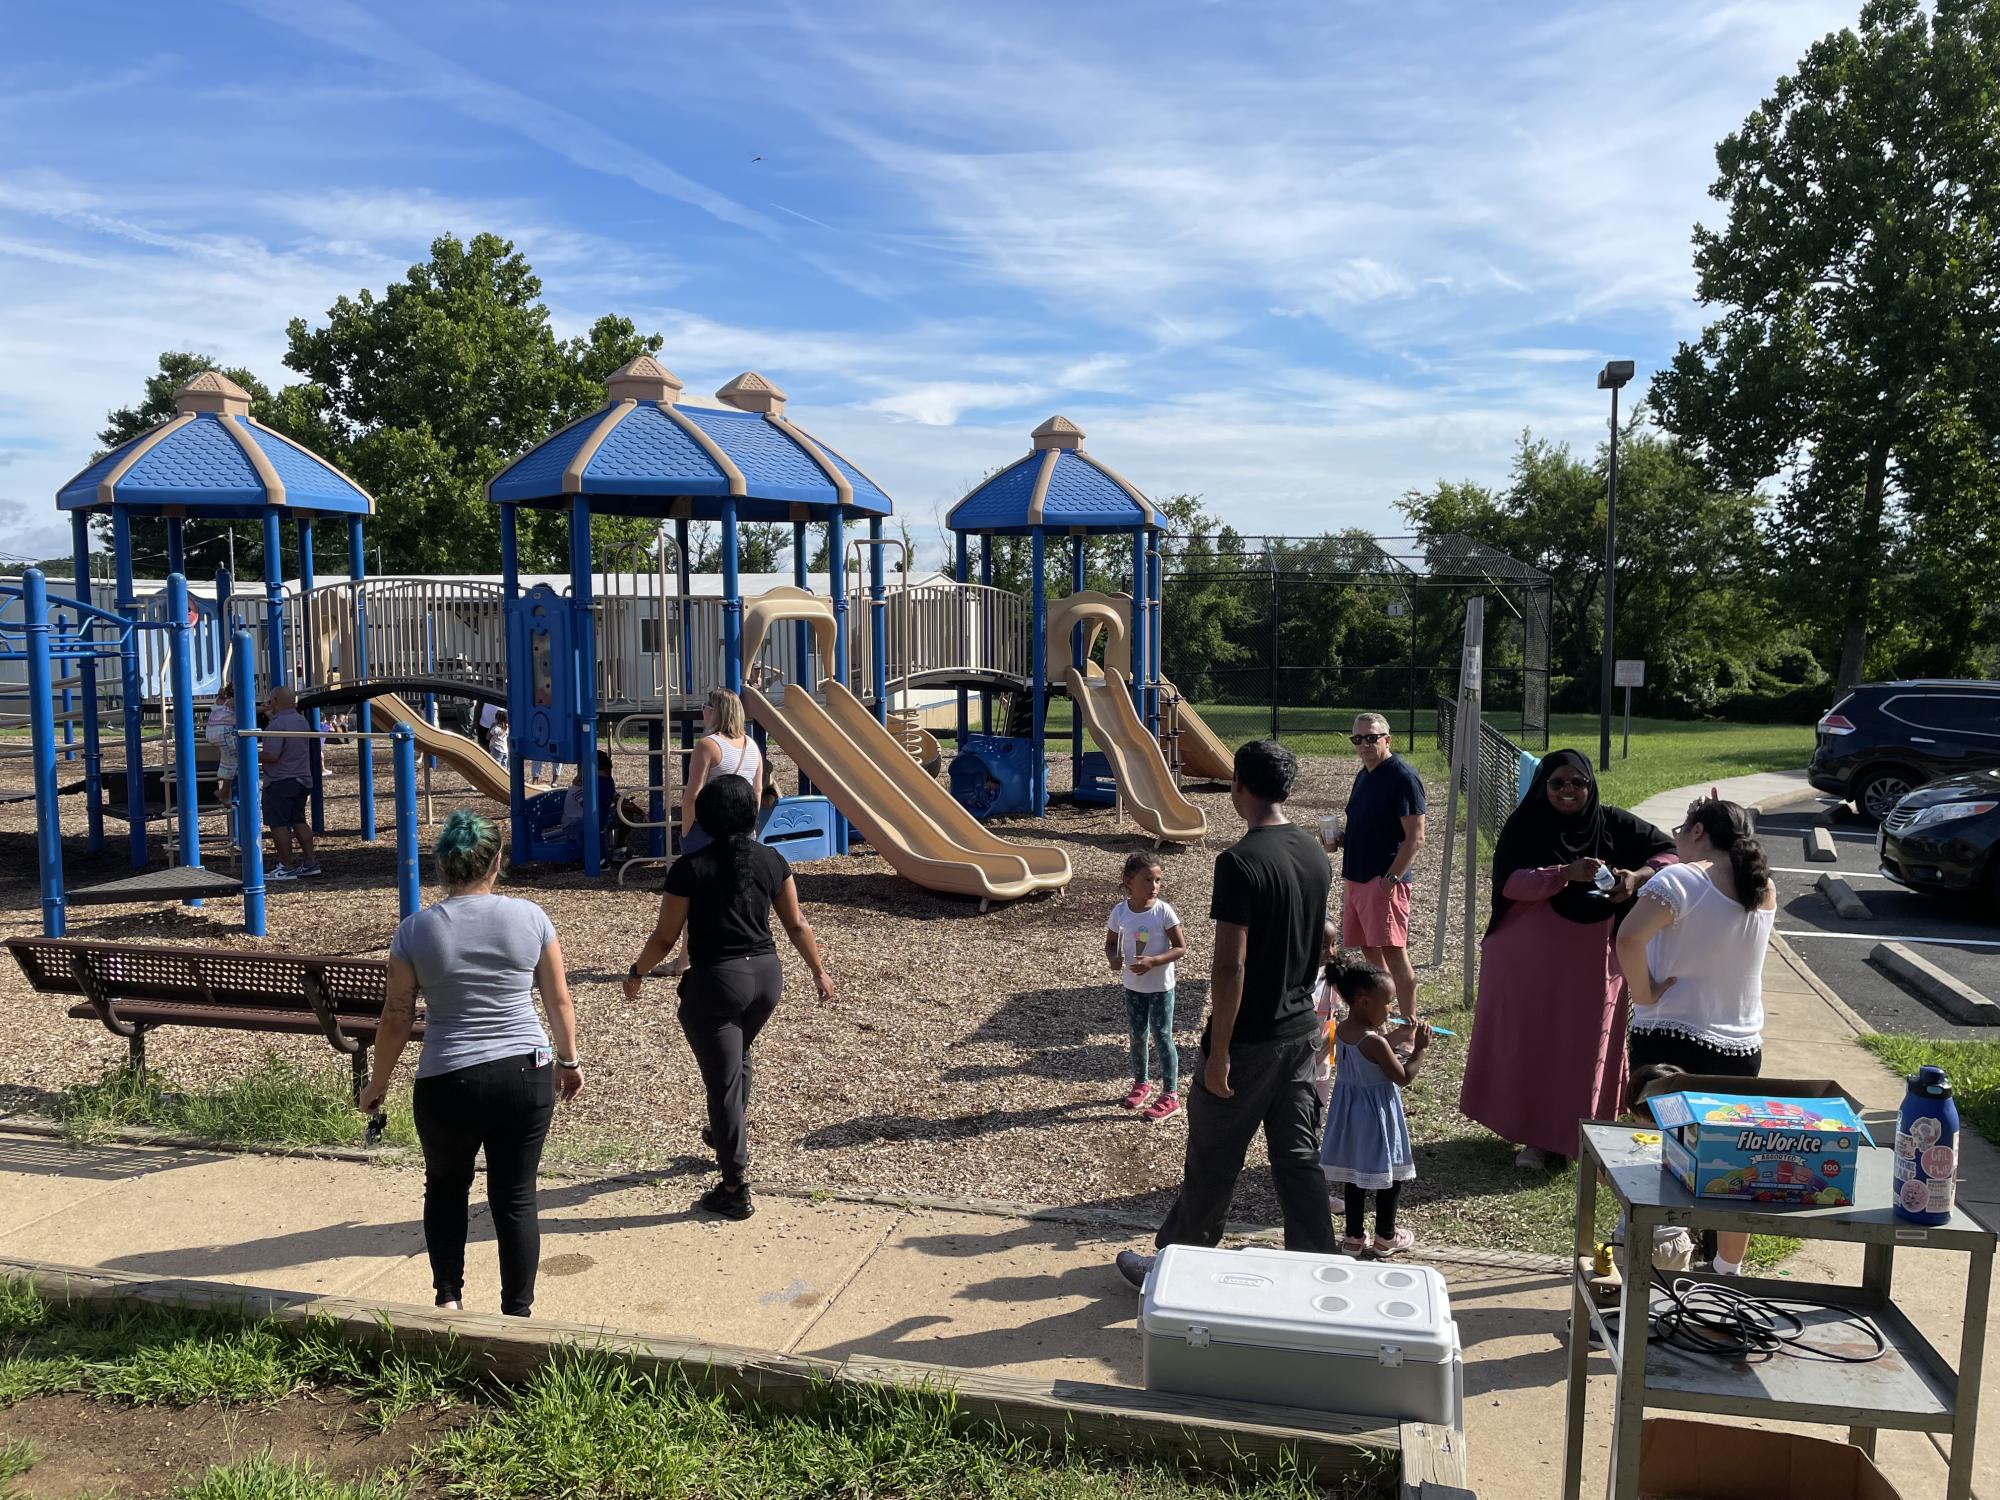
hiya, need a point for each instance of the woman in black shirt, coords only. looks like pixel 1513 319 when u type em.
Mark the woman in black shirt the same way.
pixel 723 894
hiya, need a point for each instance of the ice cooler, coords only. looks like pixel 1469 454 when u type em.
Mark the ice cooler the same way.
pixel 1368 1338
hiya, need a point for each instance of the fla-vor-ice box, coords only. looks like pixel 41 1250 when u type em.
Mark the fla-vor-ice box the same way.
pixel 1760 1148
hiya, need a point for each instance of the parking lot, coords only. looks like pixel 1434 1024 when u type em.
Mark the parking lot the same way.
pixel 1956 937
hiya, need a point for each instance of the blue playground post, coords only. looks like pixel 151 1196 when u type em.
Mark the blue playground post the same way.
pixel 86 666
pixel 42 737
pixel 180 666
pixel 732 600
pixel 177 545
pixel 1139 602
pixel 985 636
pixel 656 781
pixel 520 688
pixel 1077 577
pixel 403 741
pixel 224 588
pixel 1038 628
pixel 1155 630
pixel 682 570
pixel 878 623
pixel 310 668
pixel 128 663
pixel 585 648
pixel 357 671
pixel 836 587
pixel 963 573
pixel 249 826
pixel 801 632
pixel 274 598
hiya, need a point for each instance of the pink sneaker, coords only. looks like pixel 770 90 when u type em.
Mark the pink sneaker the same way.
pixel 1400 1241
pixel 1136 1097
pixel 1161 1107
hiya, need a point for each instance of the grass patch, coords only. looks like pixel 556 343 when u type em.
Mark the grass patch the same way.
pixel 278 1102
pixel 1973 1067
pixel 16 1458
pixel 586 1424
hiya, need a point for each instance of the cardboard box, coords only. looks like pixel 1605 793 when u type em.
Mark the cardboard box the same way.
pixel 1766 1147
pixel 1683 1460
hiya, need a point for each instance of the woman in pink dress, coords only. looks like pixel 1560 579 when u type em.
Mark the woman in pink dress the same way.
pixel 1548 1037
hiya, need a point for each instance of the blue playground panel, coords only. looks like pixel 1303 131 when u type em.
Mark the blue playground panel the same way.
pixel 993 775
pixel 1095 785
pixel 801 829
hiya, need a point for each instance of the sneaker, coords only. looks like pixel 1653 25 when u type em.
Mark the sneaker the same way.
pixel 1161 1107
pixel 282 872
pixel 728 1202
pixel 1398 1242
pixel 1135 1096
pixel 1352 1246
pixel 1134 1267
pixel 311 867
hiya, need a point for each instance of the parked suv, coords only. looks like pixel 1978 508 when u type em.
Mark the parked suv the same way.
pixel 1886 739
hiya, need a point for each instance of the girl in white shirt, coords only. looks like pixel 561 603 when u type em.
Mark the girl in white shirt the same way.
pixel 1692 952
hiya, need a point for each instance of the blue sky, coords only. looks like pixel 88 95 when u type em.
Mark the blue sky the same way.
pixel 1298 258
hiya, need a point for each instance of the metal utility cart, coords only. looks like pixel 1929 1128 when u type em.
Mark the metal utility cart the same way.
pixel 1910 1387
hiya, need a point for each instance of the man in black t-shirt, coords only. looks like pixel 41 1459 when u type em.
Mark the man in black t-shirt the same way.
pixel 1262 1038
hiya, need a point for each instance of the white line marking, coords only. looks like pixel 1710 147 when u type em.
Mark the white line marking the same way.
pixel 1830 870
pixel 1876 937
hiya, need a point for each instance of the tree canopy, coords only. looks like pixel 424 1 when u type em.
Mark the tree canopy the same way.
pixel 1856 358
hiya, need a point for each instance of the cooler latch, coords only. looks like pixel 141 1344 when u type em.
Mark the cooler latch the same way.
pixel 1390 1355
pixel 1197 1338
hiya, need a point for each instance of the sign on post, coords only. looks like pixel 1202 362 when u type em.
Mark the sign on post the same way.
pixel 1628 675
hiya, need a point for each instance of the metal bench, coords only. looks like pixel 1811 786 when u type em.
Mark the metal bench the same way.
pixel 135 988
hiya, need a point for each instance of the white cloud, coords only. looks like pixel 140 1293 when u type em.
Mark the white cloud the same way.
pixel 939 403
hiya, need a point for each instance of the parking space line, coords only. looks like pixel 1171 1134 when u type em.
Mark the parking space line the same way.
pixel 1876 937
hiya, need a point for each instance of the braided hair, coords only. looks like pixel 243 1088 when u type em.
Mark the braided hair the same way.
pixel 1352 975
pixel 726 809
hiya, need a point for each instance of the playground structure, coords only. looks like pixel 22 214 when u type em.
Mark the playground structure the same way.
pixel 623 651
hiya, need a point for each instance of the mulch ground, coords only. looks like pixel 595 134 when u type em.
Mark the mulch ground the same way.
pixel 969 1054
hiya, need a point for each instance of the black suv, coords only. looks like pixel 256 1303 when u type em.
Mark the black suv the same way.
pixel 1888 738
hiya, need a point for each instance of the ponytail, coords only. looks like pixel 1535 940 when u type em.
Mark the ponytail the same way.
pixel 726 809
pixel 1728 828
pixel 1351 975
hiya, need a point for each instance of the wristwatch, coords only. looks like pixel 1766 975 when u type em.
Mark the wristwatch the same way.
pixel 1406 878
pixel 570 1064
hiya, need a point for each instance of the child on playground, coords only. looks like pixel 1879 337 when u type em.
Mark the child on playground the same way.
pixel 496 741
pixel 1367 1145
pixel 1326 1006
pixel 221 733
pixel 1141 943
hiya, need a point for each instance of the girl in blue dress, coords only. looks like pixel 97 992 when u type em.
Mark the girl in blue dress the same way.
pixel 1367 1145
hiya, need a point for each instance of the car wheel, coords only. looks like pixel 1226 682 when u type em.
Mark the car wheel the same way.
pixel 1877 793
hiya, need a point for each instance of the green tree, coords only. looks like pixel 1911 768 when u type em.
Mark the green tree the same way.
pixel 1857 359
pixel 423 393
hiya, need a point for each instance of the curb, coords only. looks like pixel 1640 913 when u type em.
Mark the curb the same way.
pixel 1955 998
pixel 1800 967
pixel 1819 846
pixel 1846 904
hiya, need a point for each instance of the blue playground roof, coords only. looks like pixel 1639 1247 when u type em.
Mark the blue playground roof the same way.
pixel 212 458
pixel 645 454
pixel 1058 487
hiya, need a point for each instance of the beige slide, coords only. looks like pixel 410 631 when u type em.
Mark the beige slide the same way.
pixel 906 815
pixel 1203 755
pixel 481 771
pixel 1145 784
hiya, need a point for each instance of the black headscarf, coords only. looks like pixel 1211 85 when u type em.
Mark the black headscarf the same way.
pixel 1536 836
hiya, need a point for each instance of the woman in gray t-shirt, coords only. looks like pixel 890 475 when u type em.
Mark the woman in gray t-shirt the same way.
pixel 488 1076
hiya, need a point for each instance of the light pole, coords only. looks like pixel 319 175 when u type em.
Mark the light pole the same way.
pixel 1612 378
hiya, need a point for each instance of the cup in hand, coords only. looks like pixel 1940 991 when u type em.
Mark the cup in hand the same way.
pixel 1330 829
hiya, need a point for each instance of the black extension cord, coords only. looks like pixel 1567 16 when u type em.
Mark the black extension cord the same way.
pixel 1714 1318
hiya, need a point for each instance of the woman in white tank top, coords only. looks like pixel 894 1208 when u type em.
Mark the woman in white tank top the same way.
pixel 724 749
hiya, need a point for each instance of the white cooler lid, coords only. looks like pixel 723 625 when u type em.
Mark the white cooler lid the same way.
pixel 1285 1299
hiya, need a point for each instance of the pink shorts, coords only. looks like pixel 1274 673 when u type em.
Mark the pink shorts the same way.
pixel 1375 914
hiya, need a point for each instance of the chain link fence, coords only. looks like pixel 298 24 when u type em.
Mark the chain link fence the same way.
pixel 1503 769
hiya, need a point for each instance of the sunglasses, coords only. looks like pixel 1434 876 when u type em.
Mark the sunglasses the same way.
pixel 1568 784
pixel 1365 739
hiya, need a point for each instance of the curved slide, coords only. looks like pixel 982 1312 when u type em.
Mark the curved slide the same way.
pixel 1203 755
pixel 482 772
pixel 1144 783
pixel 906 815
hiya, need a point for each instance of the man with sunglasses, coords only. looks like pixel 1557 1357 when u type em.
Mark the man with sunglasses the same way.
pixel 1384 832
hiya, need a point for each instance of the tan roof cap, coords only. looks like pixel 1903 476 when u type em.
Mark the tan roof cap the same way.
pixel 643 379
pixel 213 391
pixel 752 392
pixel 1058 432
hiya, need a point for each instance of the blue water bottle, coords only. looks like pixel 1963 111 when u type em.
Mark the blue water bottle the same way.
pixel 1926 1170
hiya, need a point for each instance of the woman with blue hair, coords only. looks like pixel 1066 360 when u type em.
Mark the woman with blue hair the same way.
pixel 489 1077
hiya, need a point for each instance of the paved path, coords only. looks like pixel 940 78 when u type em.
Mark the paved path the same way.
pixel 1766 789
pixel 1014 1294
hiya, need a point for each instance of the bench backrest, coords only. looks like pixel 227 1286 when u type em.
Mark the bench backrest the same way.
pixel 223 978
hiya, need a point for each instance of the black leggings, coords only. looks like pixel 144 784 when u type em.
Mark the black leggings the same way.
pixel 505 1106
pixel 1385 1210
pixel 723 1007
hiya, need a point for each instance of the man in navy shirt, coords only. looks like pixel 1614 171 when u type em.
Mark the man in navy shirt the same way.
pixel 1385 829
